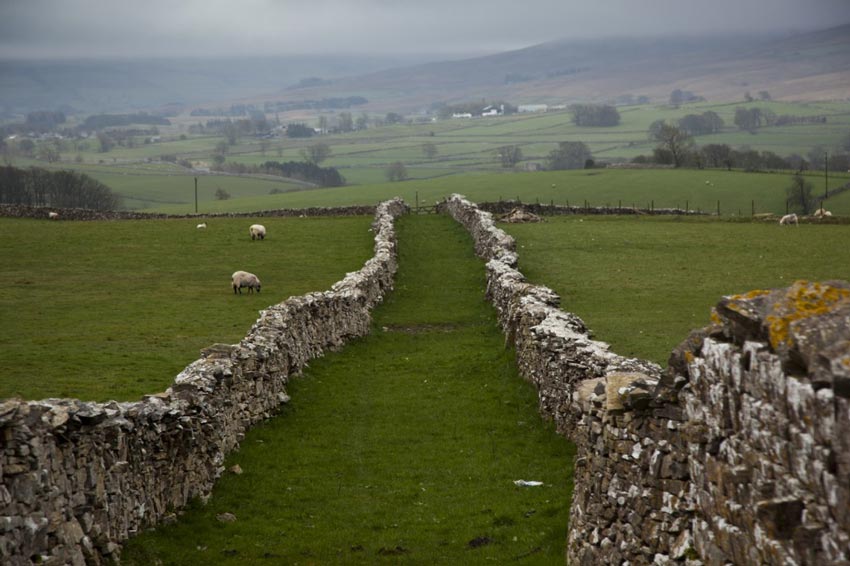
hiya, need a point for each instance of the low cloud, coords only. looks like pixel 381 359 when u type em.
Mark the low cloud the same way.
pixel 93 28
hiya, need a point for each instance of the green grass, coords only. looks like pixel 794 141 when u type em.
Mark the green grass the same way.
pixel 401 449
pixel 463 147
pixel 643 284
pixel 114 310
pixel 735 190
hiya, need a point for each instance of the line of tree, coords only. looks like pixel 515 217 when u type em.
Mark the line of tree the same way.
pixel 595 115
pixel 62 189
pixel 101 121
pixel 322 104
pixel 305 171
pixel 701 124
pixel 679 97
pixel 676 147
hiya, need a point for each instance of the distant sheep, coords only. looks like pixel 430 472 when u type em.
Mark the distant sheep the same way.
pixel 822 213
pixel 201 226
pixel 244 279
pixel 53 215
pixel 257 232
pixel 789 219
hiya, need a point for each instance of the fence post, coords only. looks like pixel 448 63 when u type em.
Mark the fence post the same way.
pixel 686 207
pixel 718 208
pixel 753 204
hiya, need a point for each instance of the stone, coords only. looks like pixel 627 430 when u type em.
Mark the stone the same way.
pixel 226 517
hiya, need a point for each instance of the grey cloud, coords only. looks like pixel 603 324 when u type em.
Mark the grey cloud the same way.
pixel 44 28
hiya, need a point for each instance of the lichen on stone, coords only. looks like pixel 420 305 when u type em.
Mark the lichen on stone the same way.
pixel 802 300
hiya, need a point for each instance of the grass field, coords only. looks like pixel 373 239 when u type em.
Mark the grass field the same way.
pixel 643 284
pixel 402 449
pixel 736 191
pixel 114 310
pixel 463 147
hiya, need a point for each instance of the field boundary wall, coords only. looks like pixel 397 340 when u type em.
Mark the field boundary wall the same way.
pixel 79 478
pixel 24 211
pixel 738 453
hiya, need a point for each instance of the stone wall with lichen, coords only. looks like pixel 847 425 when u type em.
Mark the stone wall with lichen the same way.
pixel 79 478
pixel 736 453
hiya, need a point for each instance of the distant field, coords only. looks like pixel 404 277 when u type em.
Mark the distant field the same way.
pixel 643 284
pixel 463 146
pixel 114 310
pixel 735 190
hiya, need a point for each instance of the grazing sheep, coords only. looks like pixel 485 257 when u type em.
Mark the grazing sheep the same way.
pixel 257 231
pixel 244 279
pixel 201 226
pixel 822 213
pixel 789 219
pixel 53 215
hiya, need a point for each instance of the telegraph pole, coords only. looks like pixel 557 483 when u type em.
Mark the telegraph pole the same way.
pixel 196 195
pixel 825 174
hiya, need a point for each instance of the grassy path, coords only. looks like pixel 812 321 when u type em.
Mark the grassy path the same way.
pixel 403 448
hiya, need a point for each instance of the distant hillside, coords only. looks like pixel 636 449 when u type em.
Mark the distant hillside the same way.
pixel 811 66
pixel 110 85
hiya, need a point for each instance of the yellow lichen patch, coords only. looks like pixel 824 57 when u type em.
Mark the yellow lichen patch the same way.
pixel 689 357
pixel 803 300
pixel 750 295
pixel 715 318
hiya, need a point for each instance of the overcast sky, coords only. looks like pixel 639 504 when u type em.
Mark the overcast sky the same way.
pixel 70 28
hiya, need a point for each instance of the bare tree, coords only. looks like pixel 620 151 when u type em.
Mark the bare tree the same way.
pixel 316 153
pixel 675 141
pixel 799 195
pixel 396 172
pixel 429 150
pixel 509 155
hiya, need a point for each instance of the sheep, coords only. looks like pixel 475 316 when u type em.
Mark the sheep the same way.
pixel 789 219
pixel 244 279
pixel 257 231
pixel 53 215
pixel 201 226
pixel 822 213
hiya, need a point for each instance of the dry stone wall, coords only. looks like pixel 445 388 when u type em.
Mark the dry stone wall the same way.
pixel 78 478
pixel 24 211
pixel 738 453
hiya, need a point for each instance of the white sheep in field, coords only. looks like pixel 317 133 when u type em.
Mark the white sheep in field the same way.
pixel 789 219
pixel 244 279
pixel 201 226
pixel 822 213
pixel 257 232
pixel 53 215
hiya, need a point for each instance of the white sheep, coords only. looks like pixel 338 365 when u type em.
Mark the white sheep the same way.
pixel 244 279
pixel 53 215
pixel 257 231
pixel 201 226
pixel 822 213
pixel 789 219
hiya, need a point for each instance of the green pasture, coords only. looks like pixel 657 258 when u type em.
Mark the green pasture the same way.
pixel 468 145
pixel 737 191
pixel 401 449
pixel 115 310
pixel 641 284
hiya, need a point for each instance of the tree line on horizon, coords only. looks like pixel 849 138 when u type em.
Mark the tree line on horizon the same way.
pixel 61 189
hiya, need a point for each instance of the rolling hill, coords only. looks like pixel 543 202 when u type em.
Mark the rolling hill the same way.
pixel 804 67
